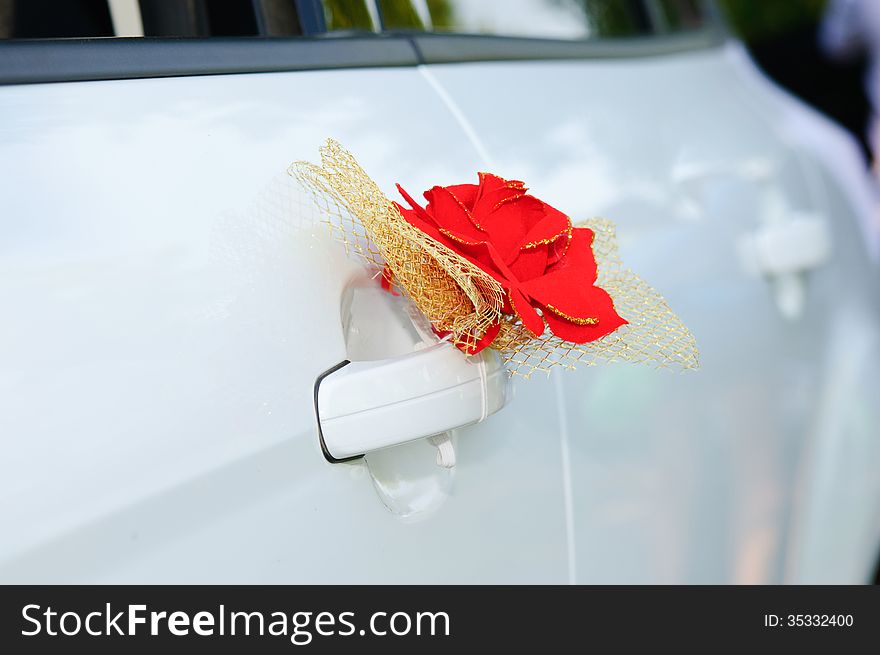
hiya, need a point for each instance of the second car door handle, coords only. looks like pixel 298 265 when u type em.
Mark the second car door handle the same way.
pixel 367 405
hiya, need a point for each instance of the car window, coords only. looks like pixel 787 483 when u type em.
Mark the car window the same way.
pixel 679 15
pixel 562 19
pixel 41 19
pixel 36 19
pixel 550 19
pixel 73 40
pixel 553 19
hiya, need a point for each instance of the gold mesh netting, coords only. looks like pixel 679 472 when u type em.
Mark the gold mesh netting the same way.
pixel 654 334
pixel 459 297
pixel 456 295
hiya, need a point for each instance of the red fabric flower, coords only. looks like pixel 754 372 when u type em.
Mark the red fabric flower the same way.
pixel 544 264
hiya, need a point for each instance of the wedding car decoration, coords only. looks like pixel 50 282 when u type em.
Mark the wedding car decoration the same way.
pixel 491 266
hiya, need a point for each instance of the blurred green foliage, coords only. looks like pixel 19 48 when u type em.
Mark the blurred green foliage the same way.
pixel 442 15
pixel 400 14
pixel 758 20
pixel 347 15
pixel 609 18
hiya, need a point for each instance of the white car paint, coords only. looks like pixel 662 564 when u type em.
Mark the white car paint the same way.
pixel 168 301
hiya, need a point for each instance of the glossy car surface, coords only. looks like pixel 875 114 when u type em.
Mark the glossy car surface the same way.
pixel 168 300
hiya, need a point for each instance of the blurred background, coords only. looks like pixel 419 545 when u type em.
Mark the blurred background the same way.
pixel 785 38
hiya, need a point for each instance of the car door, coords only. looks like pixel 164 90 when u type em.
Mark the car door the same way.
pixel 170 298
pixel 702 477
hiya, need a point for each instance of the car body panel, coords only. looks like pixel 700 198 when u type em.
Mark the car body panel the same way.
pixel 169 300
pixel 698 477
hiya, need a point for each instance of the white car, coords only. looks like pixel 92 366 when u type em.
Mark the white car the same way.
pixel 168 299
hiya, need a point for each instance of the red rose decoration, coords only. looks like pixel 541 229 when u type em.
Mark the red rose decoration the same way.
pixel 531 248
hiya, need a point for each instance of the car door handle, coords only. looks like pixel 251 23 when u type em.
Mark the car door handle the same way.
pixel 785 244
pixel 368 405
pixel 782 251
pixel 800 243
